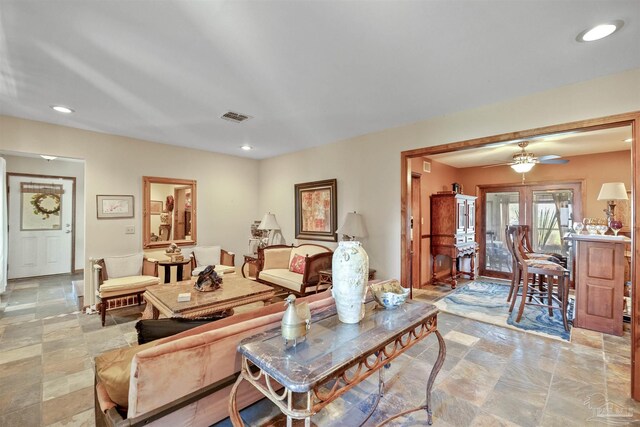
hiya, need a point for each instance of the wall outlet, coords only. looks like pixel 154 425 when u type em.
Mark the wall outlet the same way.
pixel 130 230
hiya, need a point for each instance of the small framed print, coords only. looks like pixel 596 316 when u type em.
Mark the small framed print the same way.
pixel 155 207
pixel 317 210
pixel 114 207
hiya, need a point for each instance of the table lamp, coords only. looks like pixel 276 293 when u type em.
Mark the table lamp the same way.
pixel 612 191
pixel 353 227
pixel 269 223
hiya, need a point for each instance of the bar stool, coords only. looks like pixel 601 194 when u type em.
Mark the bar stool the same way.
pixel 547 271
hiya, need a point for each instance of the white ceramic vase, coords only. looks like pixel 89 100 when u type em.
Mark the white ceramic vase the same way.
pixel 349 274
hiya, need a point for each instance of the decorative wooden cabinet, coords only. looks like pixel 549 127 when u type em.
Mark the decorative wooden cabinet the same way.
pixel 453 219
pixel 599 277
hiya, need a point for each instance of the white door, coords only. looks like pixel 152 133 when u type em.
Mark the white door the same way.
pixel 40 234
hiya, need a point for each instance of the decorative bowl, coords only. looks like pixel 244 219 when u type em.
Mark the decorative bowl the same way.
pixel 389 293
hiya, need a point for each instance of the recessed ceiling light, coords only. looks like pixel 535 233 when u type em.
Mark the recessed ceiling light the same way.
pixel 246 147
pixel 48 157
pixel 62 109
pixel 628 140
pixel 599 31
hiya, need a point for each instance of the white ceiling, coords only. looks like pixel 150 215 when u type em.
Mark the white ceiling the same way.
pixel 309 72
pixel 563 145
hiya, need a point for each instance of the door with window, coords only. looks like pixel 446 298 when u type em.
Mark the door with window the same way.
pixel 40 225
pixel 548 209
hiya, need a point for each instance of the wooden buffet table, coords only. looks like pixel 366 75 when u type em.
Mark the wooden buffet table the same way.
pixel 599 279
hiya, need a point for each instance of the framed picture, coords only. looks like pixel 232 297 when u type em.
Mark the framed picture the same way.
pixel 317 210
pixel 155 207
pixel 113 207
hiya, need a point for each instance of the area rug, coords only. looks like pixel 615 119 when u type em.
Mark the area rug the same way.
pixel 486 301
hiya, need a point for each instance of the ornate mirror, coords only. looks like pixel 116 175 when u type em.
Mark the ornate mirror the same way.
pixel 168 212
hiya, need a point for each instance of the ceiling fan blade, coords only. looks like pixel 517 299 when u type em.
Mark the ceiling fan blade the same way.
pixel 497 164
pixel 549 157
pixel 553 161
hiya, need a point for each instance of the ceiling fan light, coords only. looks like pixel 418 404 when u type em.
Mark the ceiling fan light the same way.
pixel 522 167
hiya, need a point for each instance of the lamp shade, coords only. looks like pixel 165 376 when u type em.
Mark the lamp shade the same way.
pixel 269 222
pixel 353 226
pixel 522 167
pixel 613 191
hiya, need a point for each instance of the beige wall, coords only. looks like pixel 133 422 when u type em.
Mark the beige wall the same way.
pixel 232 192
pixel 227 185
pixel 39 166
pixel 368 167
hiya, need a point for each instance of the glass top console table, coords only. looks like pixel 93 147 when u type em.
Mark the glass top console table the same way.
pixel 334 358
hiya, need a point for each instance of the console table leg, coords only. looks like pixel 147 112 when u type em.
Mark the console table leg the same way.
pixel 442 352
pixel 234 414
pixel 378 397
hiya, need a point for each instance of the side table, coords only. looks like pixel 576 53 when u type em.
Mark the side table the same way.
pixel 179 269
pixel 334 358
pixel 325 279
pixel 251 262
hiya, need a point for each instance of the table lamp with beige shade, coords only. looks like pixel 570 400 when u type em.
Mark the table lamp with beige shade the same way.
pixel 269 223
pixel 612 191
pixel 353 227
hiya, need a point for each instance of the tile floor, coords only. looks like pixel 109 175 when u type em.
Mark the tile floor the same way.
pixel 492 376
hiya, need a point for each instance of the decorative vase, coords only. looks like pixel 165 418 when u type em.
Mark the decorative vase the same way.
pixel 349 273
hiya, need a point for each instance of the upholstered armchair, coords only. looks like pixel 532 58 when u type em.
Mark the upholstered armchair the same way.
pixel 122 276
pixel 202 256
pixel 293 268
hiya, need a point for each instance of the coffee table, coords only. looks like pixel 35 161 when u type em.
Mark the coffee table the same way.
pixel 334 358
pixel 235 291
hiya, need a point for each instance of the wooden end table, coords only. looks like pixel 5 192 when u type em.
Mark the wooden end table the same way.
pixel 235 291
pixel 251 261
pixel 179 269
pixel 334 358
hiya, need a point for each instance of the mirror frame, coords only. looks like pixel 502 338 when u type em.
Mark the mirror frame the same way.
pixel 146 211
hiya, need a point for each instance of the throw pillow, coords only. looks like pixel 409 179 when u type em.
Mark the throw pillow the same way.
pixel 297 264
pixel 113 369
pixel 124 266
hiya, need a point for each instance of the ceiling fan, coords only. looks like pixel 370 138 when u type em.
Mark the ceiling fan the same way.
pixel 523 161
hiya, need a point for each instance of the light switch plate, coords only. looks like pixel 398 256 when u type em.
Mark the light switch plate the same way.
pixel 130 230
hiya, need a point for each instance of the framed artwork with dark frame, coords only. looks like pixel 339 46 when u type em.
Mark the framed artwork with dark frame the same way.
pixel 317 210
pixel 114 207
pixel 155 207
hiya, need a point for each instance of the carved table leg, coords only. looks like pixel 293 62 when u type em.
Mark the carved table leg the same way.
pixel 234 414
pixel 473 266
pixel 454 273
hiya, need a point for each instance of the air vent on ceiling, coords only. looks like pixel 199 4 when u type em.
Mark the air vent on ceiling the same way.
pixel 235 117
pixel 426 166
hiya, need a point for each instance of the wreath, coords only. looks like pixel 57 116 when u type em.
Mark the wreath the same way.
pixel 45 205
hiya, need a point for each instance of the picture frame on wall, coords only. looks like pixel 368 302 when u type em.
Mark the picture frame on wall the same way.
pixel 114 206
pixel 316 210
pixel 155 207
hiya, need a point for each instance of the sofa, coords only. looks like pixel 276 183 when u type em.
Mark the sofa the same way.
pixel 184 379
pixel 293 268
